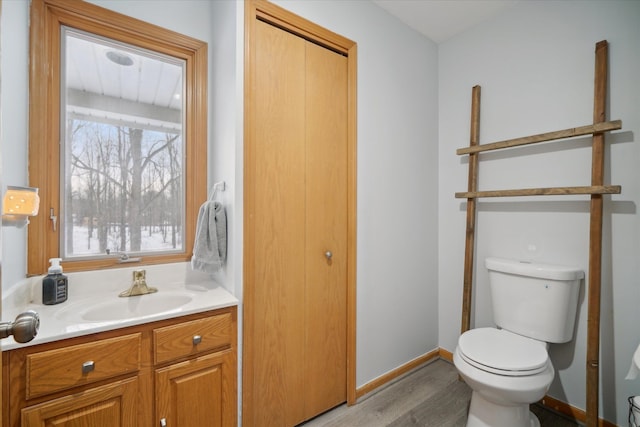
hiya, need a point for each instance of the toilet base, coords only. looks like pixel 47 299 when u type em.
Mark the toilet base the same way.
pixel 484 413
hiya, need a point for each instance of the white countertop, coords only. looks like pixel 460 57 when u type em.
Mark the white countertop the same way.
pixel 89 289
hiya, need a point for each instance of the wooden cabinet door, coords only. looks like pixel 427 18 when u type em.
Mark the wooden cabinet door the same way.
pixel 296 290
pixel 111 405
pixel 198 392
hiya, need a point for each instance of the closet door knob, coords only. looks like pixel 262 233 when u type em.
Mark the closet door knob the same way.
pixel 328 255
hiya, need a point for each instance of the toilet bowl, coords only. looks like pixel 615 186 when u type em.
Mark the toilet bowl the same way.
pixel 507 372
pixel 508 366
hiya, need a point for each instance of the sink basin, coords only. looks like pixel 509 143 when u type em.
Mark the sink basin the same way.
pixel 117 308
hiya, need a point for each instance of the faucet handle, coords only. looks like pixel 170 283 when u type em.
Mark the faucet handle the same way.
pixel 139 276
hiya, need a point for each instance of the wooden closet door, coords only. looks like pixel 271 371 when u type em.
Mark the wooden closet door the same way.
pixel 279 229
pixel 326 230
pixel 297 326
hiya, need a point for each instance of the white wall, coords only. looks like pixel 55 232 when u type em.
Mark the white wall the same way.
pixel 14 89
pixel 225 128
pixel 226 132
pixel 535 63
pixel 397 183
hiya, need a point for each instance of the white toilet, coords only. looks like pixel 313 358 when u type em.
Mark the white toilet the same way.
pixel 508 367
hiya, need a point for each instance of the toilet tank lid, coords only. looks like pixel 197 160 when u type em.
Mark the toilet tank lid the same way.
pixel 531 269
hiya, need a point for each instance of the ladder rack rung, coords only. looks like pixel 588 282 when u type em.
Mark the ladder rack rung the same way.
pixel 551 191
pixel 543 137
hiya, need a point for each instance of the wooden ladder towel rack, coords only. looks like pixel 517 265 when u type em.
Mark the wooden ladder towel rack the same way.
pixel 597 189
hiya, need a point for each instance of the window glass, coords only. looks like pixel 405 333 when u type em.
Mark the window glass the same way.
pixel 122 161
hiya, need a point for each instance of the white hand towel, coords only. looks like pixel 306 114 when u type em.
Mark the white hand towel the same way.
pixel 210 246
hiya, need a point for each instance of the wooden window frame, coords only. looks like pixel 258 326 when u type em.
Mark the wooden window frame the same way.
pixel 44 119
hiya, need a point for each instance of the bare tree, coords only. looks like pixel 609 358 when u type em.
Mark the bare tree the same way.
pixel 120 177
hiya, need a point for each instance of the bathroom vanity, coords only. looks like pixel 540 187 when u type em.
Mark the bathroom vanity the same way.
pixel 163 359
pixel 179 371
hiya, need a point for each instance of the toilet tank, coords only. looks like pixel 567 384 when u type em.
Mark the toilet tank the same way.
pixel 535 300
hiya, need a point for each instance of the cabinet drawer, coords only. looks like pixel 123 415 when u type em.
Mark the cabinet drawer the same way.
pixel 188 338
pixel 55 370
pixel 113 404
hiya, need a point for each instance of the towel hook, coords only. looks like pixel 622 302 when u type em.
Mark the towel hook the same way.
pixel 214 190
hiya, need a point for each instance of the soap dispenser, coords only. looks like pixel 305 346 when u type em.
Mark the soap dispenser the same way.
pixel 54 285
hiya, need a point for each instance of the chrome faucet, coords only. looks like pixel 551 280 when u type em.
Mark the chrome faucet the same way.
pixel 139 285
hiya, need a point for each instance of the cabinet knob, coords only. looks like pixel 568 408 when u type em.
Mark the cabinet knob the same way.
pixel 163 422
pixel 197 339
pixel 88 366
pixel 328 255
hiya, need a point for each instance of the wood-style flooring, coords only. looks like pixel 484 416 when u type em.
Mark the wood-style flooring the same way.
pixel 431 396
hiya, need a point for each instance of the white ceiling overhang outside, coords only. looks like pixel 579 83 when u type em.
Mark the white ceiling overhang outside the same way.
pixel 120 85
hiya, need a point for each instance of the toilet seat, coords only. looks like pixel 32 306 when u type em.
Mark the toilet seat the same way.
pixel 502 352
